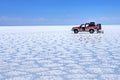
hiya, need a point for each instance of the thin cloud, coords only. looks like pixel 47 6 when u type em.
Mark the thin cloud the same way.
pixel 6 18
pixel 109 18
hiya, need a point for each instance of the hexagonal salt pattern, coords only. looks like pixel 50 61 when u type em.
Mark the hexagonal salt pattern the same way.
pixel 59 55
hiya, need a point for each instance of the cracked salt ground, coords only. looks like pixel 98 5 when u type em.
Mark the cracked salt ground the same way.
pixel 59 55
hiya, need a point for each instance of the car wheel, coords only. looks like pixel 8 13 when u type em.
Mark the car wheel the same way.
pixel 91 31
pixel 75 31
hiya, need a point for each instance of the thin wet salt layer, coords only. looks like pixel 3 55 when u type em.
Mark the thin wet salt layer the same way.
pixel 35 54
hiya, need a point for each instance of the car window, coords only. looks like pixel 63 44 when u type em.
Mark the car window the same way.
pixel 83 26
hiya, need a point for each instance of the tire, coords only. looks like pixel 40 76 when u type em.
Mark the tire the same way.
pixel 91 31
pixel 75 31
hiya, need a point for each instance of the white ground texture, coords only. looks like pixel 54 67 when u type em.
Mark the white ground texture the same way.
pixel 56 53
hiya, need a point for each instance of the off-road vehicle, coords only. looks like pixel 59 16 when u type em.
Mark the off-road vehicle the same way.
pixel 88 27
